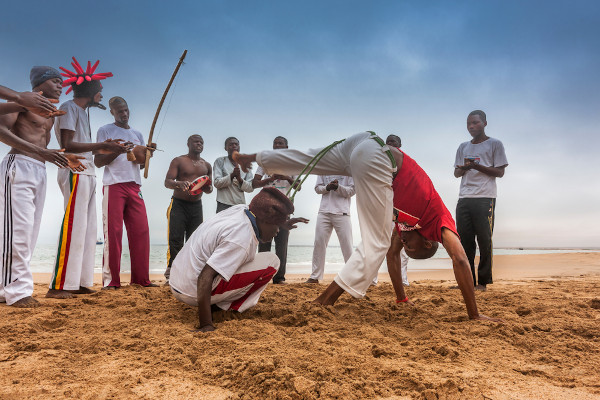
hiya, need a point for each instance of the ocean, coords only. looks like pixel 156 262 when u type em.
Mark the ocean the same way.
pixel 299 258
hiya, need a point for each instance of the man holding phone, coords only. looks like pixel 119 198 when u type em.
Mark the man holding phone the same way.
pixel 478 162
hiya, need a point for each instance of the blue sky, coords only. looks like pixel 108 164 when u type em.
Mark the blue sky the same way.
pixel 317 71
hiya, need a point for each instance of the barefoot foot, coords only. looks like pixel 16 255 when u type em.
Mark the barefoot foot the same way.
pixel 59 294
pixel 82 290
pixel 244 160
pixel 26 302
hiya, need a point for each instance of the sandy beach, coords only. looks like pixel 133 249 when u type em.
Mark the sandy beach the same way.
pixel 138 343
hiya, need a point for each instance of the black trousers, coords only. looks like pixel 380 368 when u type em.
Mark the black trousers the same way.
pixel 281 245
pixel 183 218
pixel 222 206
pixel 475 220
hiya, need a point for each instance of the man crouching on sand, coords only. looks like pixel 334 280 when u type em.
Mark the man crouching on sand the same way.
pixel 219 266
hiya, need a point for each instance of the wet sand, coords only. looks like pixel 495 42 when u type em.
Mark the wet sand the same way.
pixel 138 343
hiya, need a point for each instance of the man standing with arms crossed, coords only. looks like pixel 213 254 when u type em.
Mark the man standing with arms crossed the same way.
pixel 478 162
pixel 122 201
pixel 185 214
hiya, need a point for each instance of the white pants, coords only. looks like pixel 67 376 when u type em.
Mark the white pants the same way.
pixel 404 267
pixel 243 289
pixel 75 257
pixel 326 222
pixel 365 160
pixel 22 195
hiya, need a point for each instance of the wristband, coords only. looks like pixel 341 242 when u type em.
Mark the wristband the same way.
pixel 402 301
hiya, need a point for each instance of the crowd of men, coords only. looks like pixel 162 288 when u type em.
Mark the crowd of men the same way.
pixel 214 264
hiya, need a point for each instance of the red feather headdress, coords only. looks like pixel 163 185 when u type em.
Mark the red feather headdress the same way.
pixel 79 76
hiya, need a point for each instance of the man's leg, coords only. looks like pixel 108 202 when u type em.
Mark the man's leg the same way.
pixel 222 206
pixel 86 278
pixel 245 287
pixel 138 235
pixel 483 223
pixel 372 173
pixel 323 231
pixel 78 192
pixel 281 244
pixel 404 267
pixel 176 222
pixel 466 232
pixel 113 204
pixel 264 247
pixel 22 183
pixel 343 229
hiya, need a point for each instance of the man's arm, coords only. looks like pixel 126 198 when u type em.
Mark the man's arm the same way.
pixel 462 273
pixel 246 184
pixel 203 293
pixel 394 268
pixel 171 181
pixel 208 188
pixel 497 172
pixel 7 123
pixel 33 100
pixel 110 146
pixel 9 108
pixel 348 189
pixel 222 179
pixel 320 186
pixel 258 181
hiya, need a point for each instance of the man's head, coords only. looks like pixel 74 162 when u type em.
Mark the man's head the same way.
pixel 280 143
pixel 231 145
pixel 271 208
pixel 195 144
pixel 393 140
pixel 119 110
pixel 46 80
pixel 476 123
pixel 416 246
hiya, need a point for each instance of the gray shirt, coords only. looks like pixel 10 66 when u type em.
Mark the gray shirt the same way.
pixel 230 191
pixel 489 153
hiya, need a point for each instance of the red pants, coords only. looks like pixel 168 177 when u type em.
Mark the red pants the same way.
pixel 123 203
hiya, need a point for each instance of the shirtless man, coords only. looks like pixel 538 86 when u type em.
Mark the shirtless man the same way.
pixel 23 186
pixel 184 214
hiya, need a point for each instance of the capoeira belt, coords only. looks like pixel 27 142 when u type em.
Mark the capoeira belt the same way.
pixel 382 144
pixel 312 163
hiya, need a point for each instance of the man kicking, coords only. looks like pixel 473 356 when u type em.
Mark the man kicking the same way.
pixel 219 265
pixel 23 185
pixel 374 166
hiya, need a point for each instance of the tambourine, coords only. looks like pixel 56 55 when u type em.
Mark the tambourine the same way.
pixel 198 183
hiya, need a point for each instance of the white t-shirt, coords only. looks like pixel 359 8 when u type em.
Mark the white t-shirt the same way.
pixel 225 241
pixel 76 120
pixel 120 170
pixel 335 201
pixel 280 184
pixel 489 153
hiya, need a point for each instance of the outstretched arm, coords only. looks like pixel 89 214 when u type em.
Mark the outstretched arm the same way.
pixel 462 273
pixel 7 137
pixel 32 100
pixel 394 268
pixel 204 290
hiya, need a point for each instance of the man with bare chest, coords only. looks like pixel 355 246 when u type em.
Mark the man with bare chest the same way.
pixel 184 214
pixel 23 185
